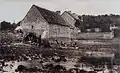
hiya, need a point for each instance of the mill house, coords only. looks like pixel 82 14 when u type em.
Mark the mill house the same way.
pixel 46 23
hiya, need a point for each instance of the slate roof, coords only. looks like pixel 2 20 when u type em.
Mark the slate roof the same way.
pixel 51 17
pixel 75 17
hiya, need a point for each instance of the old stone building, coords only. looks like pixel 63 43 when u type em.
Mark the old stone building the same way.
pixel 72 19
pixel 46 23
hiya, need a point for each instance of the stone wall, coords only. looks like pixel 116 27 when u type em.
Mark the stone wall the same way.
pixel 34 22
pixel 71 21
pixel 68 18
pixel 100 35
pixel 59 31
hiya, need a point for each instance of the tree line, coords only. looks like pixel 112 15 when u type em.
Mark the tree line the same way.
pixel 99 21
pixel 4 25
pixel 86 22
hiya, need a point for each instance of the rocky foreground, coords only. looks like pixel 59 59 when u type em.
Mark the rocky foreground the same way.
pixel 16 56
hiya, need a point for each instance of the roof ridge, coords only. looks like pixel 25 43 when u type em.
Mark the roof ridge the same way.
pixel 71 15
pixel 42 8
pixel 51 16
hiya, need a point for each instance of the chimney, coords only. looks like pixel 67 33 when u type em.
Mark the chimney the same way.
pixel 58 12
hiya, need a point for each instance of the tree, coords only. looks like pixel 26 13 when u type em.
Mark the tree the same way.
pixel 5 25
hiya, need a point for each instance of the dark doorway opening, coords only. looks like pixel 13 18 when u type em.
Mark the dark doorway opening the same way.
pixel 31 37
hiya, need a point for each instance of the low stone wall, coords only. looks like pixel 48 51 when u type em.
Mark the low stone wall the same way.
pixel 101 35
pixel 59 39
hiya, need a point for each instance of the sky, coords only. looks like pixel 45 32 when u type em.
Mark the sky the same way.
pixel 15 10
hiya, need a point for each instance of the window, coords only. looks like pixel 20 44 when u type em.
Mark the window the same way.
pixel 32 26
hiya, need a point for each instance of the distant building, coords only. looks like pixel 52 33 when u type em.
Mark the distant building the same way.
pixel 113 27
pixel 46 23
pixel 88 30
pixel 93 30
pixel 97 30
